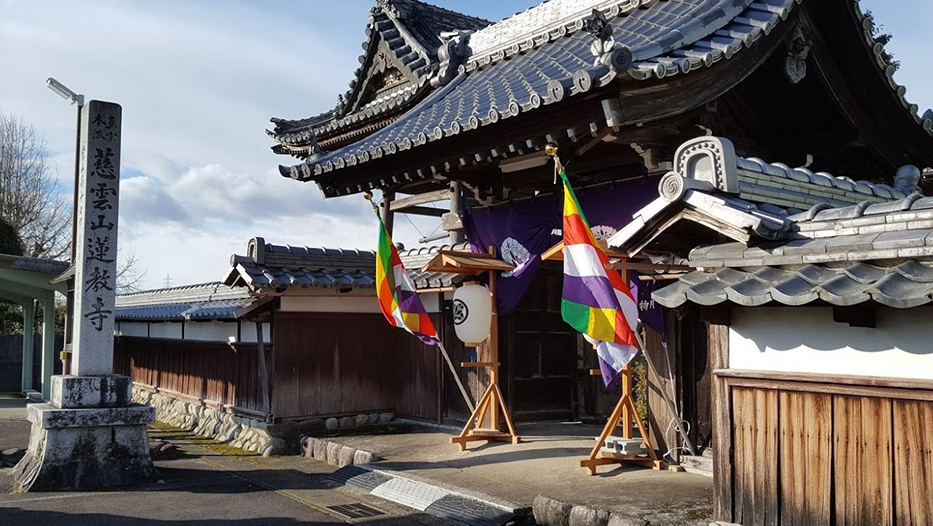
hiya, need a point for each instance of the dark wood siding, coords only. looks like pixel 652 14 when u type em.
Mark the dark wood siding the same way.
pixel 220 374
pixel 334 364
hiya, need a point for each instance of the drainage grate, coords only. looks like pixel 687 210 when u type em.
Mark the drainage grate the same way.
pixel 356 510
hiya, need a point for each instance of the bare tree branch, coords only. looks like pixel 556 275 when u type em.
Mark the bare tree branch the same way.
pixel 30 200
pixel 129 275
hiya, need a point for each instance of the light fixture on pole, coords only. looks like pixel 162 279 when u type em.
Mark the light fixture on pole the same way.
pixel 62 91
pixel 76 99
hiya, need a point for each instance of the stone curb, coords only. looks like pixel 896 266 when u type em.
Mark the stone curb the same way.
pixel 552 512
pixel 463 506
pixel 334 453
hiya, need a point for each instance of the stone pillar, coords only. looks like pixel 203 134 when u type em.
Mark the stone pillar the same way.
pixel 48 343
pixel 29 331
pixel 90 435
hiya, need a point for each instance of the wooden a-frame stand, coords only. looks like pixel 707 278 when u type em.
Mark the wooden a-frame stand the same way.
pixel 622 416
pixel 492 401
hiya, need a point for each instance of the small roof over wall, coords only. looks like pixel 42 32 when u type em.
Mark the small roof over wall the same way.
pixel 275 270
pixel 202 302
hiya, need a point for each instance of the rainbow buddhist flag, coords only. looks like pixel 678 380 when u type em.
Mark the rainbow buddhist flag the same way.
pixel 396 293
pixel 596 300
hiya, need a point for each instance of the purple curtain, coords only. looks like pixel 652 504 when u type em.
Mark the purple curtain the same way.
pixel 522 231
pixel 650 313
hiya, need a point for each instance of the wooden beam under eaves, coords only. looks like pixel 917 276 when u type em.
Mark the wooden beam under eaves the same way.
pixel 420 199
pixel 423 211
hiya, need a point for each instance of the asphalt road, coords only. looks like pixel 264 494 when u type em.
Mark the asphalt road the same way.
pixel 205 487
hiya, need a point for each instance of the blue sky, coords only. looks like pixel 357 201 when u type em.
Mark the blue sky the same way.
pixel 198 81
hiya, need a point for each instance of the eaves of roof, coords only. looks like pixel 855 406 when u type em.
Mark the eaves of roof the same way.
pixel 903 285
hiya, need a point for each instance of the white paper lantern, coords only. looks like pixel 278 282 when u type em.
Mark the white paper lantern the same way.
pixel 472 311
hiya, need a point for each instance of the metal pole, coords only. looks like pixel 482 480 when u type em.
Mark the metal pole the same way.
pixel 688 444
pixel 453 371
pixel 69 308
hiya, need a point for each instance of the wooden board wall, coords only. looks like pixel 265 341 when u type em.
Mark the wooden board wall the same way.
pixel 335 364
pixel 818 453
pixel 217 373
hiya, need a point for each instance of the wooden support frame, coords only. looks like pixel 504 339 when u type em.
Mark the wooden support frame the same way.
pixel 492 402
pixel 623 414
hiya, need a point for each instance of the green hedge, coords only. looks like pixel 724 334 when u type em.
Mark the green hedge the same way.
pixel 9 240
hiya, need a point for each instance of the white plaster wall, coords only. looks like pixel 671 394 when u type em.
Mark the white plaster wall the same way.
pixel 807 340
pixel 362 304
pixel 248 332
pixel 210 331
pixel 165 330
pixel 133 328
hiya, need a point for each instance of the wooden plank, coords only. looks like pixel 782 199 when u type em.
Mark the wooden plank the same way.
pixel 775 384
pixel 805 456
pixel 913 462
pixel 718 352
pixel 756 453
pixel 863 463
pixel 420 199
pixel 666 360
pixel 841 379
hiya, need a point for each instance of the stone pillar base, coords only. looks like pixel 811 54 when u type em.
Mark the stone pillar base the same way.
pixel 86 448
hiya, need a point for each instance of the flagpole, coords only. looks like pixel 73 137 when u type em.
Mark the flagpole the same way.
pixel 466 398
pixel 551 150
pixel 670 403
pixel 453 371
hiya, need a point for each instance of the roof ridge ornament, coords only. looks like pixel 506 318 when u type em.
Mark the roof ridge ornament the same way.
pixel 452 53
pixel 607 51
pixel 709 159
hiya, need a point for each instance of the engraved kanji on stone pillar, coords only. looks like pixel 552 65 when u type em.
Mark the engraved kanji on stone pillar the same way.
pixel 96 255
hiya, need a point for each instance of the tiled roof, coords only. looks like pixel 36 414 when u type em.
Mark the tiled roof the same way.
pixel 550 57
pixel 864 232
pixel 545 54
pixel 412 30
pixel 904 285
pixel 881 252
pixel 765 201
pixel 273 269
pixel 42 265
pixel 207 301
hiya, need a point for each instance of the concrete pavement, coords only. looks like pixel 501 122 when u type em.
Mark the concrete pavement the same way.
pixel 206 485
pixel 545 463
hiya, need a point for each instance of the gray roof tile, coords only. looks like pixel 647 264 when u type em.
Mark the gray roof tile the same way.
pixel 908 284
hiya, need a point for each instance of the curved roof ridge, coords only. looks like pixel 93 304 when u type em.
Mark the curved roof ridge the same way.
pixel 556 19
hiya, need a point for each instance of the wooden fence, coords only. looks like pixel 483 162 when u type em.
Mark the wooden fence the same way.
pixel 332 364
pixel 217 374
pixel 802 451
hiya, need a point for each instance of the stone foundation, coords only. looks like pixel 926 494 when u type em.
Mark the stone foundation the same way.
pixel 243 432
pixel 89 437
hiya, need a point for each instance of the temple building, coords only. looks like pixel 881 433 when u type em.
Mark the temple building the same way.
pixel 662 113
